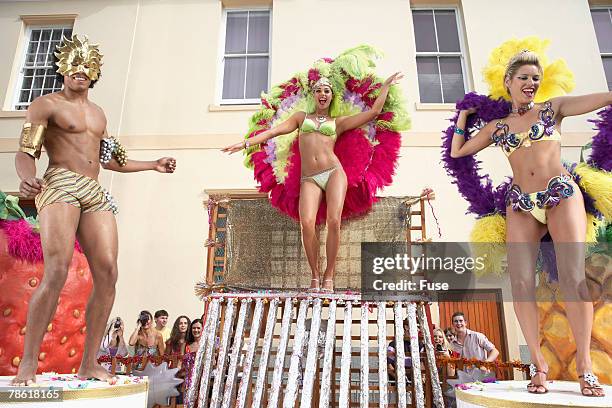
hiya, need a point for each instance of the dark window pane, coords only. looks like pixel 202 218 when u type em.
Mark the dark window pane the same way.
pixel 236 31
pixel 35 94
pixel 27 83
pixel 429 79
pixel 233 78
pixel 446 27
pixel 30 59
pixel 57 35
pixel 54 45
pixel 24 96
pixel 46 35
pixel 603 29
pixel 424 32
pixel 257 76
pixel 40 72
pixel 44 47
pixel 38 82
pixel 49 81
pixel 35 35
pixel 32 47
pixel 259 29
pixel 452 79
pixel 607 63
pixel 29 72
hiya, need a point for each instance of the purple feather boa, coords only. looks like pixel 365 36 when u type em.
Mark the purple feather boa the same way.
pixel 601 150
pixel 477 189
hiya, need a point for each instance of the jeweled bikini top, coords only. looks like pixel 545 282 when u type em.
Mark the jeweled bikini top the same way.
pixel 327 128
pixel 542 130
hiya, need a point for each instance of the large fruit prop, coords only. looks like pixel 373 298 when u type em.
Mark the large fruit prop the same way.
pixel 21 271
pixel 557 342
pixel 368 154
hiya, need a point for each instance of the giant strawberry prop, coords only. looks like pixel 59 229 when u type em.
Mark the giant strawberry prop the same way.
pixel 21 270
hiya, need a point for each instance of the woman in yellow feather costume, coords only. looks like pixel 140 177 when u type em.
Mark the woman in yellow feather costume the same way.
pixel 545 196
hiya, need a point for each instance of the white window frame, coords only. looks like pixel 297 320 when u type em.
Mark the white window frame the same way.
pixel 221 65
pixel 461 54
pixel 24 51
pixel 602 54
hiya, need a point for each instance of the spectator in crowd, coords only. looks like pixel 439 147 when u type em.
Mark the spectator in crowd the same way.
pixel 178 336
pixel 161 321
pixel 451 337
pixel 113 343
pixel 194 334
pixel 176 346
pixel 443 350
pixel 392 354
pixel 145 339
pixel 471 344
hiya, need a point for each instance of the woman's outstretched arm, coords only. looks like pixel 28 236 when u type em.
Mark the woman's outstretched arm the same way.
pixel 345 123
pixel 579 105
pixel 287 126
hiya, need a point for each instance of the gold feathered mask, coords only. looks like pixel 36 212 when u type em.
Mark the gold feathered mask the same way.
pixel 78 55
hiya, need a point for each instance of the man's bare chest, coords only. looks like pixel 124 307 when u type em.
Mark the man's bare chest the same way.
pixel 79 121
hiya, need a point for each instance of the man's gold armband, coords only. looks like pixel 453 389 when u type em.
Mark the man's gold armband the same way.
pixel 32 137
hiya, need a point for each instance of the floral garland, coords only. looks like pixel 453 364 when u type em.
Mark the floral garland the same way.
pixel 490 365
pixel 157 360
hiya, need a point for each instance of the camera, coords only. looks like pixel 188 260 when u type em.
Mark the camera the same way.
pixel 439 347
pixel 143 318
pixel 117 323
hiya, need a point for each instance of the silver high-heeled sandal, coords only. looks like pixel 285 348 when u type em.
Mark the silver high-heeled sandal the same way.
pixel 592 384
pixel 316 289
pixel 328 290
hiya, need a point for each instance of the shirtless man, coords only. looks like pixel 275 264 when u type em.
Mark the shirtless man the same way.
pixel 70 201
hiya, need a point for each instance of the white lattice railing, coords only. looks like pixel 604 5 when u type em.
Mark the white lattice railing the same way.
pixel 259 352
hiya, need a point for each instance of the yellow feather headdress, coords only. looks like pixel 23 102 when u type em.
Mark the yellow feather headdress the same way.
pixel 557 78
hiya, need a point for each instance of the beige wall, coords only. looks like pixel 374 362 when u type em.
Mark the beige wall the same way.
pixel 159 88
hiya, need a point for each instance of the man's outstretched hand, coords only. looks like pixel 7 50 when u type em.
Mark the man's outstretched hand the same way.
pixel 166 165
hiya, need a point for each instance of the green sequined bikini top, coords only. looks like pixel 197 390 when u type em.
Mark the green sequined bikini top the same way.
pixel 327 128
